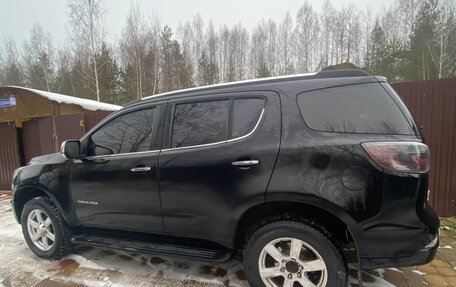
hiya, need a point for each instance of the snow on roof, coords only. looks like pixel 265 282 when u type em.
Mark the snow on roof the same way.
pixel 90 105
pixel 232 83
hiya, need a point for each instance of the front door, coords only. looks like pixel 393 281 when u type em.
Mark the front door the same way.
pixel 115 186
pixel 219 154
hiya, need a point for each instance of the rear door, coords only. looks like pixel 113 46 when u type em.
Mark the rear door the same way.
pixel 218 155
pixel 115 186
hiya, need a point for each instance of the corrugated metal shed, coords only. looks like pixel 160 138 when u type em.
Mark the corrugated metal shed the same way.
pixel 34 123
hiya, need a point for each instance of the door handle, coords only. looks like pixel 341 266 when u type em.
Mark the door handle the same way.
pixel 245 163
pixel 141 169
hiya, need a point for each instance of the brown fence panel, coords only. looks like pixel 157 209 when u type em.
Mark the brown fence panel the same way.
pixel 38 137
pixel 69 127
pixel 9 156
pixel 433 105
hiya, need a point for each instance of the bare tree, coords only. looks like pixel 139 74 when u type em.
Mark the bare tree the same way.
pixel 186 37
pixel 2 66
pixel 367 25
pixel 225 57
pixel 285 45
pixel 326 23
pixel 272 59
pixel 352 27
pixel 39 59
pixel 306 32
pixel 134 47
pixel 239 45
pixel 154 52
pixel 87 34
pixel 211 43
pixel 198 40
pixel 258 52
pixel 405 13
pixel 443 52
pixel 13 69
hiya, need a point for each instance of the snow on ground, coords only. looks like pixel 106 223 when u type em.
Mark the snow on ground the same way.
pixel 103 267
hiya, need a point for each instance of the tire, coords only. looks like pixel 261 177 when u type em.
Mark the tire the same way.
pixel 317 245
pixel 41 218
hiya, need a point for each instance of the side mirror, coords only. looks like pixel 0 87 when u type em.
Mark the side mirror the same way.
pixel 71 149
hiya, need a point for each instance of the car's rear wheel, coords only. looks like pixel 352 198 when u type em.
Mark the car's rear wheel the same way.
pixel 292 254
pixel 44 230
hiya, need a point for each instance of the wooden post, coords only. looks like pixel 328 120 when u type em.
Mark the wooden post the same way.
pixel 55 112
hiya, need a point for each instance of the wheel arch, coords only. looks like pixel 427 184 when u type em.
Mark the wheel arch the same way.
pixel 25 194
pixel 320 210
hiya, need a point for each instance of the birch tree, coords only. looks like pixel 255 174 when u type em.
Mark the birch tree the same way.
pixel 306 32
pixel 225 58
pixel 13 70
pixel 285 44
pixel 198 40
pixel 134 47
pixel 258 51
pixel 38 59
pixel 86 32
pixel 239 43
pixel 443 50
pixel 326 23
pixel 186 37
pixel 211 48
pixel 352 26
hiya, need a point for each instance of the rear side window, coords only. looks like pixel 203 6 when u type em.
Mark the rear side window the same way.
pixel 131 132
pixel 364 108
pixel 200 123
pixel 246 113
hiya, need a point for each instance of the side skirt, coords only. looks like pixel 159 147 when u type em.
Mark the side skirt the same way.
pixel 169 248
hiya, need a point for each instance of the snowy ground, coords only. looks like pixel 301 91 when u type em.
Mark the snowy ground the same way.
pixel 98 267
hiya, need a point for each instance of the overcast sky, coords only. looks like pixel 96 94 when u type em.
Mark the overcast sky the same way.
pixel 18 16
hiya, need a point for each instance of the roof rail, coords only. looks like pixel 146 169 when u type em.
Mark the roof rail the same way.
pixel 319 75
pixel 341 73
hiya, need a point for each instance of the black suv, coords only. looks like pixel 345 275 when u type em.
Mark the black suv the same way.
pixel 276 172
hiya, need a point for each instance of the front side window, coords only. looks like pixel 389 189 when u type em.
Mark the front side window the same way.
pixel 128 133
pixel 200 123
pixel 363 108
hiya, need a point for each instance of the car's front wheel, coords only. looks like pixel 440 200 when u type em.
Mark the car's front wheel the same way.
pixel 291 254
pixel 44 230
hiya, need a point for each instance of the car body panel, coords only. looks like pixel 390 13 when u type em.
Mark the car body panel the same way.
pixel 108 193
pixel 200 188
pixel 197 193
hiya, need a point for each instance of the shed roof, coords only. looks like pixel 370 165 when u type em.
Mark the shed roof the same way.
pixel 86 104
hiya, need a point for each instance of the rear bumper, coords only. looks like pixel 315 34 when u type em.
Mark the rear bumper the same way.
pixel 401 246
pixel 424 256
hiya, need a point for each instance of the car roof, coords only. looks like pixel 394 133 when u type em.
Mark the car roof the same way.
pixel 246 83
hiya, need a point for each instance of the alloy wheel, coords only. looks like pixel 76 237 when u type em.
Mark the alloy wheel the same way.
pixel 290 262
pixel 41 229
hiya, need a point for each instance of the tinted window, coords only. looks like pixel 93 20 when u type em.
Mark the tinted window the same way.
pixel 246 113
pixel 365 108
pixel 128 133
pixel 200 123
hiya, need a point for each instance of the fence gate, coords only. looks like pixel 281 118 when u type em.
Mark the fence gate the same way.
pixel 9 155
pixel 69 127
pixel 38 137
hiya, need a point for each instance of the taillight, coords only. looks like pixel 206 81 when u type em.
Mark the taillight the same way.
pixel 407 157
